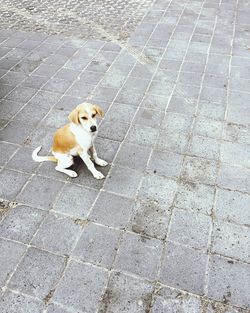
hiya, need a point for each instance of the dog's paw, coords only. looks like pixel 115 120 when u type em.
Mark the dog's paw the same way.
pixel 99 175
pixel 101 162
pixel 72 174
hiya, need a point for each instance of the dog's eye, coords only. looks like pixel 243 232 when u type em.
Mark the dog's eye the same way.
pixel 93 115
pixel 84 118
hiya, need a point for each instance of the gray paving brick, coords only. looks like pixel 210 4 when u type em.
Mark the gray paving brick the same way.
pixel 6 151
pixel 165 163
pixel 65 233
pixel 142 135
pixel 148 117
pixel 31 115
pixel 34 81
pixel 190 78
pixel 41 136
pixel 80 89
pixel 231 240
pixel 37 273
pixel 5 89
pixel 211 110
pixel 11 301
pixel 235 153
pixel 126 294
pixel 139 255
pixel 217 95
pixel 127 97
pixel 91 280
pixel 158 188
pixel 204 147
pixel 12 78
pixel 182 105
pixel 236 133
pixel 123 181
pixel 176 122
pixel 173 141
pixel 233 206
pixel 46 70
pixel 75 201
pixel 229 281
pixel 21 94
pixel 163 89
pixel 170 300
pixel 196 197
pixel 57 85
pixel 67 103
pixel 150 219
pixel 234 177
pixel 190 229
pixel 133 156
pixel 111 210
pixel 11 183
pixel 21 223
pixel 208 127
pixel 97 245
pixel 155 102
pixel 40 192
pixel 21 160
pixel 183 268
pixel 106 148
pixel 55 118
pixel 114 130
pixel 8 63
pixel 55 308
pixel 121 112
pixel 10 257
pixel 199 170
pixel 45 99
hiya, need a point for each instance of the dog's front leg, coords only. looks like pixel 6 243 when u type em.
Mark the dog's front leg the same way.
pixel 90 165
pixel 97 160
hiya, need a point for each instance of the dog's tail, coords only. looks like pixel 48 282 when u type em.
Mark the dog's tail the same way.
pixel 37 158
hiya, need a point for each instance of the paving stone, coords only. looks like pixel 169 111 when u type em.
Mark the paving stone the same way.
pixel 165 163
pixel 139 255
pixel 235 153
pixel 208 127
pixel 75 201
pixel 5 90
pixel 65 233
pixel 123 181
pixel 172 141
pixel 121 112
pixel 204 147
pixel 97 245
pixel 126 294
pixel 45 99
pixel 229 281
pixel 38 273
pixel 11 301
pixel 114 130
pixel 127 97
pixel 6 151
pixel 142 135
pixel 184 268
pixel 171 300
pixel 155 102
pixel 211 110
pixel 199 170
pixel 11 183
pixel 9 108
pixel 133 156
pixel 11 253
pixel 22 160
pixel 232 206
pixel 12 78
pixel 196 197
pixel 236 133
pixel 182 106
pixel 190 229
pixel 231 240
pixel 158 188
pixel 57 85
pixel 41 136
pixel 234 178
pixel 148 117
pixel 106 148
pixel 218 95
pixel 21 223
pixel 34 81
pixel 176 122
pixel 89 279
pixel 31 115
pixel 40 192
pixel 150 219
pixel 21 94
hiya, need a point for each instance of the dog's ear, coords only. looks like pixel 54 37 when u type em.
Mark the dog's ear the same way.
pixel 74 116
pixel 99 111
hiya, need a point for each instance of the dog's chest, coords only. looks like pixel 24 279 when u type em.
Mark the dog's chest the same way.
pixel 84 140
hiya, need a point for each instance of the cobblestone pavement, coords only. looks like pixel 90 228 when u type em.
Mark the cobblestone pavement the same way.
pixel 168 229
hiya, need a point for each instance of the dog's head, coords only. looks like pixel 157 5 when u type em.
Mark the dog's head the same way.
pixel 85 114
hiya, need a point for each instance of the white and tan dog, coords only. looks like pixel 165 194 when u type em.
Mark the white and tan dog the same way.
pixel 76 138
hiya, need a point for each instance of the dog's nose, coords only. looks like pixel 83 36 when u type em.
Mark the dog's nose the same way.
pixel 93 128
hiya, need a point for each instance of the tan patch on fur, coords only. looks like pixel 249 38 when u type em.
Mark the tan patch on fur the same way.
pixel 64 140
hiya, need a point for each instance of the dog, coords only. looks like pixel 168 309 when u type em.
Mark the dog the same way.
pixel 76 138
